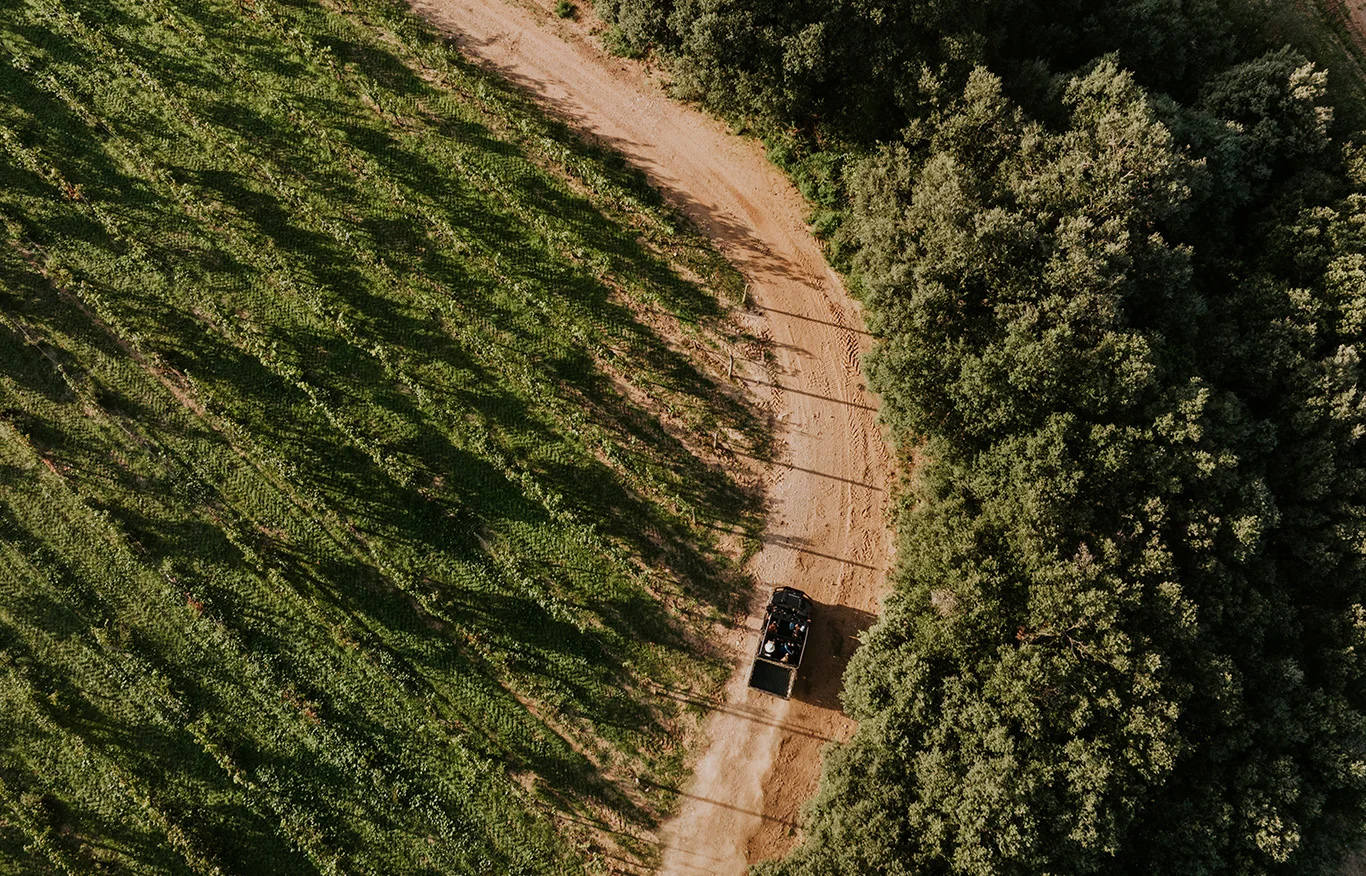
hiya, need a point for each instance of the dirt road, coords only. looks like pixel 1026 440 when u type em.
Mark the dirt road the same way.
pixel 828 493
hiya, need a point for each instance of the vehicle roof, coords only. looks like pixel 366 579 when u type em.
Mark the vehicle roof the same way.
pixel 791 598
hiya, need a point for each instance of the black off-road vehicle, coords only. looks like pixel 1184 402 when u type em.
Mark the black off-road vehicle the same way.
pixel 787 623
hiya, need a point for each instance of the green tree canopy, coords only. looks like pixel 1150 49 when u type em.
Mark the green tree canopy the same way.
pixel 1116 264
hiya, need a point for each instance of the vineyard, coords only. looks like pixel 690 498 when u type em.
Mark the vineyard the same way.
pixel 362 443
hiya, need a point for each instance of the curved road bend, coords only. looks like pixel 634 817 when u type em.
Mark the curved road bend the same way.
pixel 827 532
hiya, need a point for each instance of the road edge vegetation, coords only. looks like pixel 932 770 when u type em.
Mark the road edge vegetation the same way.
pixel 1113 254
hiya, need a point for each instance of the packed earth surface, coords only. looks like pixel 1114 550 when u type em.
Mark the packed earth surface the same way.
pixel 828 491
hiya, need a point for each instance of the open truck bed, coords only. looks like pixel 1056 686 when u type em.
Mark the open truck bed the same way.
pixel 774 678
pixel 782 642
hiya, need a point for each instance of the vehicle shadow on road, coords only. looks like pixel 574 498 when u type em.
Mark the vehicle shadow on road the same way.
pixel 835 632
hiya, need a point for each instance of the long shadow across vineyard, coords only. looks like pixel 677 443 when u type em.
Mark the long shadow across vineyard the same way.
pixel 340 512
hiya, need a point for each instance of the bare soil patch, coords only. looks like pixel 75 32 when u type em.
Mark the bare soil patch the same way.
pixel 828 491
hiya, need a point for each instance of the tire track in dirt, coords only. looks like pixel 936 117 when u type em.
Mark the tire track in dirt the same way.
pixel 828 493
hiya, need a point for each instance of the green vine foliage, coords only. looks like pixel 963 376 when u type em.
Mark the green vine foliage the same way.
pixel 341 530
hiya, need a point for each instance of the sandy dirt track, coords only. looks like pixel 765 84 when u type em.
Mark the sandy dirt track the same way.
pixel 828 492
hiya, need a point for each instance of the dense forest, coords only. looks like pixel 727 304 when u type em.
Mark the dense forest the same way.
pixel 1115 253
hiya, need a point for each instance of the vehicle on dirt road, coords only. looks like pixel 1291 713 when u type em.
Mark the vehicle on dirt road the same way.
pixel 782 643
